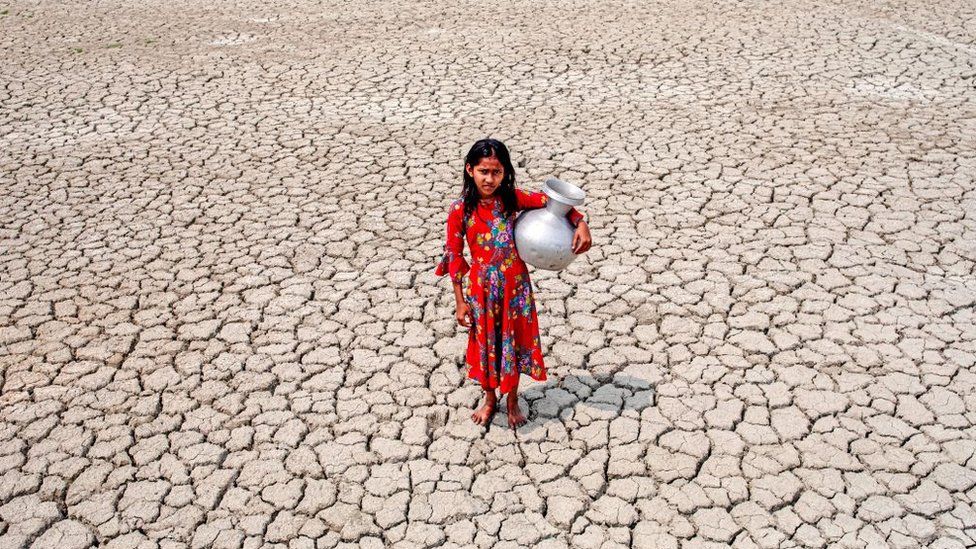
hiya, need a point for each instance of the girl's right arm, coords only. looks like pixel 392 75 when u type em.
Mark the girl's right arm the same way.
pixel 458 293
pixel 462 310
pixel 453 262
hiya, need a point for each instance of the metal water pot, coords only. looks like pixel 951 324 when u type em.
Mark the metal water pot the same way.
pixel 543 236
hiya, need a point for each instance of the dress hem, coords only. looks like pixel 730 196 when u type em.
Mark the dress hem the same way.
pixel 506 385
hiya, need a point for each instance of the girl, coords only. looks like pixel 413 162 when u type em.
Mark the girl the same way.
pixel 499 310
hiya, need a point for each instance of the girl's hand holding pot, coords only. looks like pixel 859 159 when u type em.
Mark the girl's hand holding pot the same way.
pixel 581 238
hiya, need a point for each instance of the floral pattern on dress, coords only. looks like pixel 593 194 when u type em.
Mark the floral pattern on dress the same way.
pixel 503 341
pixel 521 303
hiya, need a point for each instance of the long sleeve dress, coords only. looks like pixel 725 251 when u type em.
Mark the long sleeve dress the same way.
pixel 503 340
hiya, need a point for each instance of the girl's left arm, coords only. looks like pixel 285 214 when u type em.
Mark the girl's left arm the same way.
pixel 532 200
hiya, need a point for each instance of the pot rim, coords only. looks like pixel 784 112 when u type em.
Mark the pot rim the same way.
pixel 562 191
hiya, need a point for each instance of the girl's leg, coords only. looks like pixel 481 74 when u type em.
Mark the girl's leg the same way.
pixel 483 415
pixel 515 416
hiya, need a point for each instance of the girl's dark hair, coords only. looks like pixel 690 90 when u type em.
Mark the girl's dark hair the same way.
pixel 484 148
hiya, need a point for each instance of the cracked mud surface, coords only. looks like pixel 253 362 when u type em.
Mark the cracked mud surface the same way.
pixel 220 327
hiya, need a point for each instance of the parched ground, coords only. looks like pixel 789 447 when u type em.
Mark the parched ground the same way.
pixel 220 326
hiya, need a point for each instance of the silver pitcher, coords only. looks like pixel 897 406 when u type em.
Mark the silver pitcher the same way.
pixel 543 236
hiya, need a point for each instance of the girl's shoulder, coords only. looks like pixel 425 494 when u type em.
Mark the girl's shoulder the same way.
pixel 455 212
pixel 456 208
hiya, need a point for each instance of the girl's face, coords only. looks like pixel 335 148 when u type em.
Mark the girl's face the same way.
pixel 488 175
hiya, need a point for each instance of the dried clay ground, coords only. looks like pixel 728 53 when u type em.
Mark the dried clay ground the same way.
pixel 220 325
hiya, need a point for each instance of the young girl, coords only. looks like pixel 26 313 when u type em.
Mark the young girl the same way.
pixel 499 310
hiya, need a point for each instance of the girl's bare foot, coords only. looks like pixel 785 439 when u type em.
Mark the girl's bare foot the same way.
pixel 515 416
pixel 483 415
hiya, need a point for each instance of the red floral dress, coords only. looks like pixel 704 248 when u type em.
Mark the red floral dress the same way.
pixel 503 340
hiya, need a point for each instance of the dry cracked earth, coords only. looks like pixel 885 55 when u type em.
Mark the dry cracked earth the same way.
pixel 220 326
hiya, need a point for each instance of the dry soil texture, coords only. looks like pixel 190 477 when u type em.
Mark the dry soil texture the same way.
pixel 220 326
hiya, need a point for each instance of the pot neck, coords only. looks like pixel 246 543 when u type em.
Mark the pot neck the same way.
pixel 556 208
